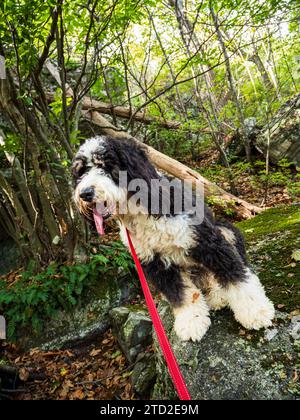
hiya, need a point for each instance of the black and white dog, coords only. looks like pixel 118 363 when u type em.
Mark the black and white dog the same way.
pixel 196 266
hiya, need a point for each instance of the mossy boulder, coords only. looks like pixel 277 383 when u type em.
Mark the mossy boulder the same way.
pixel 231 363
pixel 144 375
pixel 133 328
pixel 273 239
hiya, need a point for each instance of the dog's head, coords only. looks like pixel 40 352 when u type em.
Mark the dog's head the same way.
pixel 96 170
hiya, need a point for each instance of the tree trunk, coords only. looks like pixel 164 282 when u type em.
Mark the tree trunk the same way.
pixel 231 83
pixel 188 35
pixel 46 215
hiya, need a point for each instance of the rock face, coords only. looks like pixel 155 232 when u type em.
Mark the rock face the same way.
pixel 283 133
pixel 231 363
pixel 9 254
pixel 226 365
pixel 132 327
pixel 85 321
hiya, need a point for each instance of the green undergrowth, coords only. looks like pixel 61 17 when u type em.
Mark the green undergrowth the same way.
pixel 32 299
pixel 273 242
pixel 281 175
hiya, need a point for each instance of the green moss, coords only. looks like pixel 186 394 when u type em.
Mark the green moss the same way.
pixel 271 238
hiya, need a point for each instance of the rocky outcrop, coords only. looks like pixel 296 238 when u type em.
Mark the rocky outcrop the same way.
pixel 283 134
pixel 230 362
pixel 133 329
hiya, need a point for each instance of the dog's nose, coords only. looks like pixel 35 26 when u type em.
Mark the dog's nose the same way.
pixel 87 194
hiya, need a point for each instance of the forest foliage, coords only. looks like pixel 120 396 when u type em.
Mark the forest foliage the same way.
pixel 206 66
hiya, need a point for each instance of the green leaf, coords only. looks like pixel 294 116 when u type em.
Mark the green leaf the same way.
pixel 296 255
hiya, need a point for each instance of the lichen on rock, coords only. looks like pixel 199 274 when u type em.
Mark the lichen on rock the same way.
pixel 133 328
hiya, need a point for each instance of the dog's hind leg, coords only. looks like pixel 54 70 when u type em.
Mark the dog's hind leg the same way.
pixel 249 303
pixel 190 308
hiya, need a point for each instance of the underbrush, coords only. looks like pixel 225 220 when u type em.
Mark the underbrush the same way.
pixel 30 299
pixel 281 176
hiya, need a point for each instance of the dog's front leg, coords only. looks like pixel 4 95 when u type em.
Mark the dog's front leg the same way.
pixel 192 315
pixel 190 308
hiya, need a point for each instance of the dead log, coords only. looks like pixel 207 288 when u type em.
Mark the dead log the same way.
pixel 243 209
pixel 124 112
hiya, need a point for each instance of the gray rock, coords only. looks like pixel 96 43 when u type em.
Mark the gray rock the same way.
pixel 295 327
pixel 270 334
pixel 10 258
pixel 133 328
pixel 250 125
pixel 283 133
pixel 228 366
pixel 144 375
pixel 85 321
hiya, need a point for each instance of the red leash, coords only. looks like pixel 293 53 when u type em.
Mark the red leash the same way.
pixel 160 331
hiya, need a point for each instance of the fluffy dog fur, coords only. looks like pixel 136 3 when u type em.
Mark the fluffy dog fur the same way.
pixel 197 267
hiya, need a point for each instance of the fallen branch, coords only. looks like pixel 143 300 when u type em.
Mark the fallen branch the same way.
pixel 124 112
pixel 244 209
pixel 120 111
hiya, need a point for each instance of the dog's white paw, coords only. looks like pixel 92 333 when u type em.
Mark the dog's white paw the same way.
pixel 190 325
pixel 256 315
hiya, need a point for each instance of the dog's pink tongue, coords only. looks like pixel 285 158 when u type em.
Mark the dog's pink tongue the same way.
pixel 98 218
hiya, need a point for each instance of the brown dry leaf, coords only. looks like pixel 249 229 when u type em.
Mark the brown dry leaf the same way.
pixel 77 395
pixel 69 384
pixel 128 387
pixel 34 351
pixel 23 374
pixel 64 391
pixel 295 377
pixel 95 352
pixel 90 377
